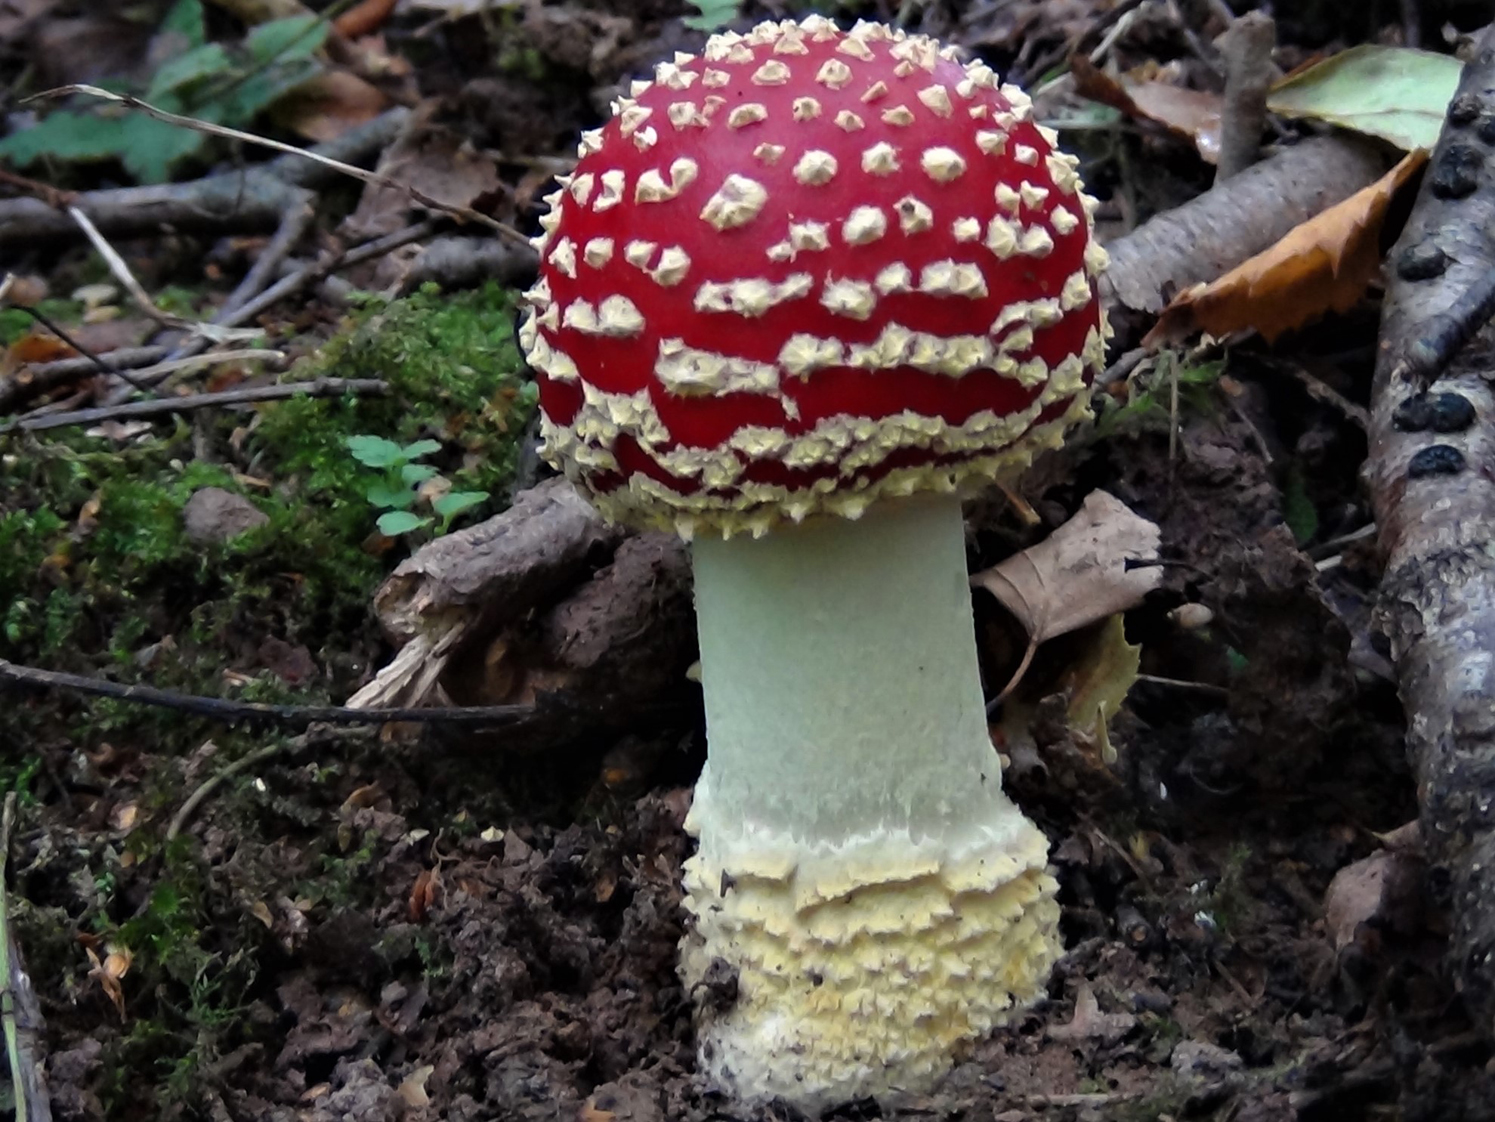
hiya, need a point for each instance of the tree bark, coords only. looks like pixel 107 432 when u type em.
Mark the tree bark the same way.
pixel 1432 447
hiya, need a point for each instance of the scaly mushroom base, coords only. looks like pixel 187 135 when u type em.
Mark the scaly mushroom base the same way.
pixel 859 869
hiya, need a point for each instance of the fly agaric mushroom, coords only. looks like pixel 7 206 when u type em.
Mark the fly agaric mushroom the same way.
pixel 808 272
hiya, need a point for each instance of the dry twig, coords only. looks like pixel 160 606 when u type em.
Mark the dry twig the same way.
pixel 156 407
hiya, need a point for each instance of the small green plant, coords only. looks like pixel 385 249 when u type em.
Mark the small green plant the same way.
pixel 221 84
pixel 1148 405
pixel 402 484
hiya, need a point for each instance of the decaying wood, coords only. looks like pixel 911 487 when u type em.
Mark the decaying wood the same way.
pixel 1209 235
pixel 621 641
pixel 1429 469
pixel 1247 50
pixel 475 582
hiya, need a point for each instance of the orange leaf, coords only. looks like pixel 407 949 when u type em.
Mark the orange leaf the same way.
pixel 423 894
pixel 1322 265
pixel 1192 114
pixel 36 346
pixel 363 18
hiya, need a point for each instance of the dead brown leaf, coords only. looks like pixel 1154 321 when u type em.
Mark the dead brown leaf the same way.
pixel 1382 891
pixel 432 158
pixel 412 1092
pixel 1079 573
pixel 329 105
pixel 35 346
pixel 1191 114
pixel 1323 265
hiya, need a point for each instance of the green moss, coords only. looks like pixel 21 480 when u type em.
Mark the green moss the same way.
pixel 95 563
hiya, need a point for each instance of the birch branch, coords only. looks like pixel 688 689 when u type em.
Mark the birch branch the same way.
pixel 1432 441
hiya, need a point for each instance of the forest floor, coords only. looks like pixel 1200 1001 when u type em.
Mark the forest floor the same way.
pixel 417 922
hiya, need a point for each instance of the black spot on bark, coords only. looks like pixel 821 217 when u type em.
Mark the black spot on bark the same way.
pixel 1463 109
pixel 1422 261
pixel 1438 459
pixel 1456 172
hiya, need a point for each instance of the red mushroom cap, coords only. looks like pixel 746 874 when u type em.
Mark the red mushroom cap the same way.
pixel 807 269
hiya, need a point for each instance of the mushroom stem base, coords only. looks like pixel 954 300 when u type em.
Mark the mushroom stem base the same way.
pixel 874 990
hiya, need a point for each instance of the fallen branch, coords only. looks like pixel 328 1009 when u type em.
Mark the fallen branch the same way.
pixel 242 200
pixel 44 377
pixel 1210 235
pixel 1432 439
pixel 299 716
pixel 156 407
pixel 121 271
pixel 461 213
pixel 293 224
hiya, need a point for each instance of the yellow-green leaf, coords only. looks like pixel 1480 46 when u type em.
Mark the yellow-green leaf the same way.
pixel 1395 93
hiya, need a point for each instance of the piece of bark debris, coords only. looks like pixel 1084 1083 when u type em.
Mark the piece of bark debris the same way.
pixel 1089 1023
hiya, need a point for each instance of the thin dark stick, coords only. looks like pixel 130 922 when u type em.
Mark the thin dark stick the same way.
pixel 319 387
pixel 103 367
pixel 219 709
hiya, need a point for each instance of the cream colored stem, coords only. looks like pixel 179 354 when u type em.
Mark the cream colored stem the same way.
pixel 839 666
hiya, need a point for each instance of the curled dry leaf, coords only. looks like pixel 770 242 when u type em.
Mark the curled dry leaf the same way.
pixel 1321 266
pixel 1079 574
pixel 1191 114
pixel 363 18
pixel 109 971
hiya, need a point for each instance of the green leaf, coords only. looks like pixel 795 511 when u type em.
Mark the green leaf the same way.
pixel 384 496
pixel 375 451
pixel 416 473
pixel 398 522
pixel 1298 511
pixel 715 14
pixel 185 19
pixel 243 100
pixel 288 38
pixel 64 135
pixel 186 69
pixel 1395 93
pixel 454 503
pixel 416 449
pixel 148 148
